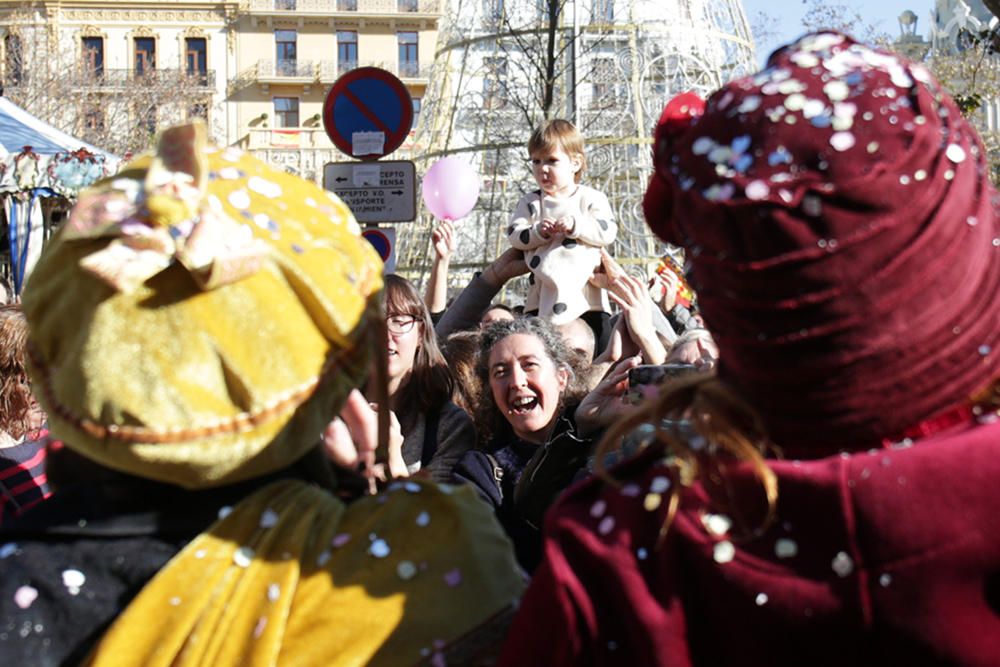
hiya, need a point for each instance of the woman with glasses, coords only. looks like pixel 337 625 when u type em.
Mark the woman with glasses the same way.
pixel 188 362
pixel 434 431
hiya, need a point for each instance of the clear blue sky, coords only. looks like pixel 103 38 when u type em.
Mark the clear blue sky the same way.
pixel 880 13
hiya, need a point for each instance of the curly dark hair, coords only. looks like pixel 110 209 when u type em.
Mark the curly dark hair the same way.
pixel 16 401
pixel 492 427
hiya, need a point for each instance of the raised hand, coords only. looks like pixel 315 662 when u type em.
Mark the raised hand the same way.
pixel 606 403
pixel 351 439
pixel 637 311
pixel 443 238
pixel 663 290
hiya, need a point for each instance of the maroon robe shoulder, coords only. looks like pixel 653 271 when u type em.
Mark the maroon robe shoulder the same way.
pixel 890 557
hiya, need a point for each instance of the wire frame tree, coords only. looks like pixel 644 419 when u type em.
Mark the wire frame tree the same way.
pixel 503 66
pixel 965 57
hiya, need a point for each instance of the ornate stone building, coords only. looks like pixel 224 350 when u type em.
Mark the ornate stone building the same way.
pixel 256 70
pixel 290 52
pixel 112 72
pixel 954 22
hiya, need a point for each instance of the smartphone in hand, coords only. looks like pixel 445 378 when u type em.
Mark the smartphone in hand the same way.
pixel 644 380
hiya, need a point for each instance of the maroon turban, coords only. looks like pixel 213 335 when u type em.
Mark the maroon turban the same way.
pixel 840 221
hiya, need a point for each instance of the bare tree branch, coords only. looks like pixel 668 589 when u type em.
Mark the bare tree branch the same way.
pixel 117 110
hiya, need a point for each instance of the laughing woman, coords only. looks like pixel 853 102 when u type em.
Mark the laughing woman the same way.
pixel 435 432
pixel 530 445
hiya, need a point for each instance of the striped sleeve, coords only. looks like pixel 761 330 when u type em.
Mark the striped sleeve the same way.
pixel 23 482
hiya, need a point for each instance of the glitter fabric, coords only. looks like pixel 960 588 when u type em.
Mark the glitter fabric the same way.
pixel 805 237
pixel 279 595
pixel 200 316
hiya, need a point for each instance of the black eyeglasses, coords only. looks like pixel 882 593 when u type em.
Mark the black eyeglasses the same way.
pixel 400 324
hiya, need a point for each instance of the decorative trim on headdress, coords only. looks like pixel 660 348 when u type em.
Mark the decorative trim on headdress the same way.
pixel 168 220
pixel 239 423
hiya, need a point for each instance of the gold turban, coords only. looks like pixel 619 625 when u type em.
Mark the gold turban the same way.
pixel 201 316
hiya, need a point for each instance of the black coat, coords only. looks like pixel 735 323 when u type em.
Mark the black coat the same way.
pixel 436 441
pixel 116 535
pixel 522 479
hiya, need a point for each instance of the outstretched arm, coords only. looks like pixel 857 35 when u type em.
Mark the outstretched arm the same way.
pixel 443 239
pixel 637 310
pixel 476 297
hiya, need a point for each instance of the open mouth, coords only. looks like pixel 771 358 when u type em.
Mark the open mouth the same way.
pixel 523 405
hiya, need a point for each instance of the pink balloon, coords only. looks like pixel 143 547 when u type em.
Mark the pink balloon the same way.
pixel 450 188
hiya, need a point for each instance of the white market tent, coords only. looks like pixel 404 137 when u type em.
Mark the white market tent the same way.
pixel 40 164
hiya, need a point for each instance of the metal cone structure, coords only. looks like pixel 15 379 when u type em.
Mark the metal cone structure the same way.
pixel 503 66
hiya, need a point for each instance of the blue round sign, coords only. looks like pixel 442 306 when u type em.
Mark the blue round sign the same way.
pixel 380 242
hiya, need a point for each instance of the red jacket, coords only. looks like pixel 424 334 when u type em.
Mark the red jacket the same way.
pixel 888 557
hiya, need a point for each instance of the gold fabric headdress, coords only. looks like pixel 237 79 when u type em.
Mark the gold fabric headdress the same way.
pixel 201 316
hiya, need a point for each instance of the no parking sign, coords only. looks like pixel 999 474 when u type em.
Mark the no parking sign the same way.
pixel 384 242
pixel 368 113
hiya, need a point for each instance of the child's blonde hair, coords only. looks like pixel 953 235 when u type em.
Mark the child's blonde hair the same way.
pixel 559 133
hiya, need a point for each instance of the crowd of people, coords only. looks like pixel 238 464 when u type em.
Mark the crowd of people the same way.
pixel 229 439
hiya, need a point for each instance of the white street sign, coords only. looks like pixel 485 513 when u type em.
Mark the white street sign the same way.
pixel 375 191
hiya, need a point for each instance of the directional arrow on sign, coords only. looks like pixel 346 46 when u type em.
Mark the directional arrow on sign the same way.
pixel 374 191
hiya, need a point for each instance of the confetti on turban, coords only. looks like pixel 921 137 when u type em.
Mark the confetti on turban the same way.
pixel 839 217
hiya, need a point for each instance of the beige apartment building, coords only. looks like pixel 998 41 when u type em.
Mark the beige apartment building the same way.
pixel 257 71
pixel 290 52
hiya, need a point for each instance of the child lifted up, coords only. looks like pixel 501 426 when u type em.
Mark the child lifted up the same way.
pixel 561 228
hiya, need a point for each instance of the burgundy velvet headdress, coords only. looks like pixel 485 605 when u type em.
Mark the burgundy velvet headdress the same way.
pixel 838 214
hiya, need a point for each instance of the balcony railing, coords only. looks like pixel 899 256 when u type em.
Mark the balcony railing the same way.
pixel 305 72
pixel 119 78
pixel 286 69
pixel 409 70
pixel 289 137
pixel 359 6
pixel 329 70
pixel 298 138
pixel 345 66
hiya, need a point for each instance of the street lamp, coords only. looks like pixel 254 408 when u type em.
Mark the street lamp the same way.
pixel 910 44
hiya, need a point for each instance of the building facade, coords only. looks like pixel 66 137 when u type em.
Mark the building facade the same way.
pixel 112 72
pixel 290 52
pixel 954 24
pixel 257 71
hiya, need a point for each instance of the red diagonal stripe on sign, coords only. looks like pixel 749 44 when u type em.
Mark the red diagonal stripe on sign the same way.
pixel 365 111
